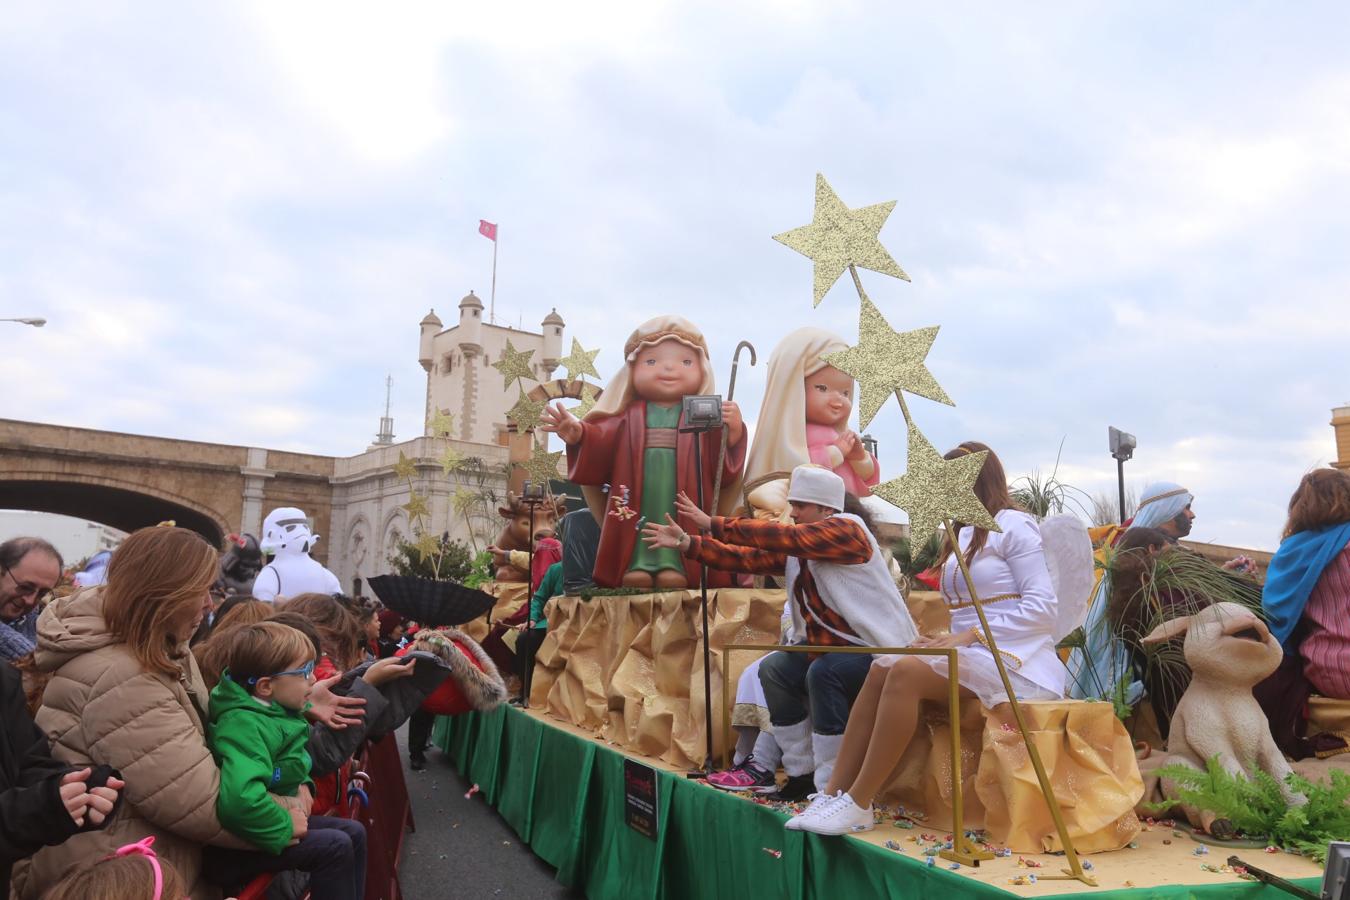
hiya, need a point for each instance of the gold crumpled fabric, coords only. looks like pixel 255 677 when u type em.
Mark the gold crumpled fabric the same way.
pixel 1087 754
pixel 1092 767
pixel 922 782
pixel 929 612
pixel 630 667
pixel 509 594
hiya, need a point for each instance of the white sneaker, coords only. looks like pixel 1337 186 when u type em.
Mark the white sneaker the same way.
pixel 818 801
pixel 841 816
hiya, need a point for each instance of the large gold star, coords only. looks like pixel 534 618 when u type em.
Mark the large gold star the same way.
pixel 514 364
pixel 405 468
pixel 526 412
pixel 442 423
pixel 417 506
pixel 887 360
pixel 934 489
pixel 580 363
pixel 541 466
pixel 589 395
pixel 839 237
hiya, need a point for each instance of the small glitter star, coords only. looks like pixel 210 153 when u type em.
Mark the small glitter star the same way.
pixel 405 468
pixel 514 364
pixel 580 363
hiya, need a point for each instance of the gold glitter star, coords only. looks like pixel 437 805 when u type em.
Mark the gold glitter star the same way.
pixel 589 395
pixel 580 363
pixel 526 412
pixel 405 468
pixel 934 489
pixel 442 423
pixel 839 237
pixel 427 546
pixel 417 506
pixel 887 360
pixel 450 460
pixel 514 364
pixel 542 465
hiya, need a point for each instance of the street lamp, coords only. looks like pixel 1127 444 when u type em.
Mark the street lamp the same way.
pixel 36 323
pixel 1122 446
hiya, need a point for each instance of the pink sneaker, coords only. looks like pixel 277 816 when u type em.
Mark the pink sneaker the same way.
pixel 748 776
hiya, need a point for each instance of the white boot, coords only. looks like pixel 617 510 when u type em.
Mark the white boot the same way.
pixel 795 740
pixel 824 749
pixel 767 752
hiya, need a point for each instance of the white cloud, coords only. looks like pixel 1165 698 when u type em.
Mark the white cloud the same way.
pixel 235 219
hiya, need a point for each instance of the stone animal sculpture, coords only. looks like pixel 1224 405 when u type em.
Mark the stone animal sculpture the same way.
pixel 1229 650
pixel 516 533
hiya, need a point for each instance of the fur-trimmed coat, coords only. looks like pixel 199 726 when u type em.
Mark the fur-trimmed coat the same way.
pixel 474 682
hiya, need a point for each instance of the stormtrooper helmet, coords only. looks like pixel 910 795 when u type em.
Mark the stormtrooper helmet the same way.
pixel 286 530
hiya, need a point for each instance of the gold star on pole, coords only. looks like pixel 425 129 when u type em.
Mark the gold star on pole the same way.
pixel 887 360
pixel 934 489
pixel 580 363
pixel 839 237
pixel 427 546
pixel 542 466
pixel 442 423
pixel 405 468
pixel 463 500
pixel 526 412
pixel 417 506
pixel 589 395
pixel 514 364
pixel 450 460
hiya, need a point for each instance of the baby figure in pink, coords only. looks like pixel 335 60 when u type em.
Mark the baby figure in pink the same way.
pixel 804 418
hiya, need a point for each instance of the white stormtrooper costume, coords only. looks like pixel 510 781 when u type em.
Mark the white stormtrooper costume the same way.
pixel 286 533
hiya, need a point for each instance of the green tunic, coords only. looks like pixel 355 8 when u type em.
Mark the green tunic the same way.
pixel 659 483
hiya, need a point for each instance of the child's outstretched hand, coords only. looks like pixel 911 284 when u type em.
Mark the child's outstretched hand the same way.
pixel 334 710
pixel 388 669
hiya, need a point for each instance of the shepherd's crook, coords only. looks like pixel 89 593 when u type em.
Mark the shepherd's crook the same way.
pixel 731 392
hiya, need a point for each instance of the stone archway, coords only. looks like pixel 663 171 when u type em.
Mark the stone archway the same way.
pixel 121 505
pixel 522 444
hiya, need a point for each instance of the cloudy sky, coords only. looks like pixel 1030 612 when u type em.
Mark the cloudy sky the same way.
pixel 1130 214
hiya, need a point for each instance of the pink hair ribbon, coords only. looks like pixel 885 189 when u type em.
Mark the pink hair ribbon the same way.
pixel 144 847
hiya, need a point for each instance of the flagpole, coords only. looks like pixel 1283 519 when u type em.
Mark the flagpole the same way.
pixel 492 311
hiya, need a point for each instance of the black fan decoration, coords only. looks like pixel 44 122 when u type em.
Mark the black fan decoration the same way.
pixel 433 603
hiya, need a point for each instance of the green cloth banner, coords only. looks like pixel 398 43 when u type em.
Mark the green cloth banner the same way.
pixel 564 796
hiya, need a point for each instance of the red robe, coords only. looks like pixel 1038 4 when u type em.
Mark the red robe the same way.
pixel 610 452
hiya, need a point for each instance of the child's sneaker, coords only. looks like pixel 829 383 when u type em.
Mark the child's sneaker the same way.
pixel 818 801
pixel 748 776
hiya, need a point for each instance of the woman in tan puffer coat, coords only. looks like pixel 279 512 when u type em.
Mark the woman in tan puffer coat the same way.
pixel 126 692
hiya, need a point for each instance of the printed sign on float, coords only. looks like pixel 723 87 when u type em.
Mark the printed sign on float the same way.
pixel 639 797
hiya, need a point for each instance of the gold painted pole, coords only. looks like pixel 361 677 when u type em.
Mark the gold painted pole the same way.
pixel 1075 870
pixel 726 708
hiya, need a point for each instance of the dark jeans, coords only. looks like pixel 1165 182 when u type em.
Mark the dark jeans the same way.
pixel 531 639
pixel 821 689
pixel 419 733
pixel 333 852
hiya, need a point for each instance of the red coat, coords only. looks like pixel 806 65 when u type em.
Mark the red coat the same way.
pixel 610 452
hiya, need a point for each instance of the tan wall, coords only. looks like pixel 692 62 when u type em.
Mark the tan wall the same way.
pixel 1340 421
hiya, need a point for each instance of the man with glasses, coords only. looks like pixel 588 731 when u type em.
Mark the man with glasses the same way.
pixel 29 569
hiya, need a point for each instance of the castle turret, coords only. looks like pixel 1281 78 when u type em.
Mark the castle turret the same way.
pixel 1340 420
pixel 553 334
pixel 471 325
pixel 431 326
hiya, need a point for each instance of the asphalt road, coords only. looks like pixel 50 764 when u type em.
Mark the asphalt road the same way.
pixel 462 848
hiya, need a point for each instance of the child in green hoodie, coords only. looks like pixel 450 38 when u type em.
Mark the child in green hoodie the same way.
pixel 258 735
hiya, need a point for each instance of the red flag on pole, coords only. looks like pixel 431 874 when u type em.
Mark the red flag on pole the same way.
pixel 487 230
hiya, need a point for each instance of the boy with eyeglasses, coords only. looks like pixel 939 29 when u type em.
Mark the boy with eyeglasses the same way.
pixel 258 735
pixel 29 569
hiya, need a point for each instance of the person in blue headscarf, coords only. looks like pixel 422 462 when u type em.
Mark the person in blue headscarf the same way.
pixel 1308 581
pixel 1098 667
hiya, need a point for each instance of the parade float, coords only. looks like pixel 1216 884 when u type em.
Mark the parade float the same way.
pixel 633 687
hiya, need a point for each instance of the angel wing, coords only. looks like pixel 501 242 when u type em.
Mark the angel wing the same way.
pixel 1068 556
